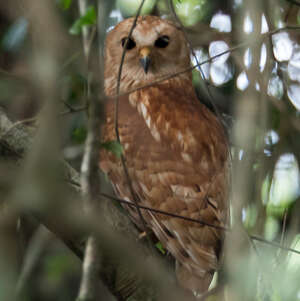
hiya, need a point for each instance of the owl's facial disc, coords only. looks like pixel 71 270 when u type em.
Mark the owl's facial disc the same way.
pixel 145 58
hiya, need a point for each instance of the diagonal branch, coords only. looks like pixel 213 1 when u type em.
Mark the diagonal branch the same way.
pixel 90 179
pixel 125 275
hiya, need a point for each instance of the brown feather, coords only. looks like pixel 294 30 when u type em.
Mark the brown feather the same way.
pixel 177 158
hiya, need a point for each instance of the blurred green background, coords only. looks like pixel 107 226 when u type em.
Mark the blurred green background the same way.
pixel 212 27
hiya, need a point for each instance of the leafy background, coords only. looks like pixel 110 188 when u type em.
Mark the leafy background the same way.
pixel 261 69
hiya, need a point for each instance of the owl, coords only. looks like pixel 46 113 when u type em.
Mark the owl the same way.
pixel 174 147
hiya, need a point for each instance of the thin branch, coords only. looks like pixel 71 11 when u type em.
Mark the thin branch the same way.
pixel 295 122
pixel 74 110
pixel 209 60
pixel 21 145
pixel 274 244
pixel 34 119
pixel 90 180
pixel 116 121
pixel 38 244
pixel 253 237
pixel 70 229
pixel 210 97
pixel 131 204
pixel 70 107
pixel 283 227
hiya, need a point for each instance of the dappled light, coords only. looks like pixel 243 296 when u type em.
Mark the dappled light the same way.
pixel 221 22
pixel 282 46
pixel 72 228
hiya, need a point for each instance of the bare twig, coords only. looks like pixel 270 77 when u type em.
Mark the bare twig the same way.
pixel 131 204
pixel 35 119
pixel 209 60
pixel 23 142
pixel 210 97
pixel 90 180
pixel 123 160
pixel 283 227
pixel 70 107
pixel 85 30
pixel 74 110
pixel 19 141
pixel 274 244
pixel 20 145
pixel 252 237
pixel 294 121
pixel 38 243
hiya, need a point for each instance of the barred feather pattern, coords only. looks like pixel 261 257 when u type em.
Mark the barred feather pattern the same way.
pixel 175 151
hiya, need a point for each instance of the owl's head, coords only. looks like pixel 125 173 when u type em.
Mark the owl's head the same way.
pixel 156 48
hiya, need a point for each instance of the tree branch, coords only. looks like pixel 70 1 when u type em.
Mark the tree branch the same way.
pixel 122 281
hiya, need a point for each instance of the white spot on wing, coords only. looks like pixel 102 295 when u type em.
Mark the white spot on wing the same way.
pixel 186 157
pixel 153 129
pixel 143 110
pixel 155 133
pixel 179 136
pixel 148 121
pixel 190 137
pixel 167 125
pixel 188 193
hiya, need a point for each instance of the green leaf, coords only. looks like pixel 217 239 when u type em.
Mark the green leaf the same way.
pixel 65 4
pixel 113 146
pixel 79 134
pixel 189 12
pixel 129 8
pixel 160 247
pixel 88 19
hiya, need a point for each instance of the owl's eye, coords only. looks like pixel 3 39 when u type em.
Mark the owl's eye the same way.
pixel 130 43
pixel 162 42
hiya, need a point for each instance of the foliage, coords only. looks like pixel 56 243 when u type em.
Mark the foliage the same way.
pixel 130 7
pixel 113 146
pixel 88 19
pixel 65 4
pixel 270 154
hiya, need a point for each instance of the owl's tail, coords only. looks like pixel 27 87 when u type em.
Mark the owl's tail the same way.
pixel 192 282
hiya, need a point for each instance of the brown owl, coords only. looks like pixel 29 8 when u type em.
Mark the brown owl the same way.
pixel 175 148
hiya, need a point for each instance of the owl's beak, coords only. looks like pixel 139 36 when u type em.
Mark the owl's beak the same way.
pixel 145 58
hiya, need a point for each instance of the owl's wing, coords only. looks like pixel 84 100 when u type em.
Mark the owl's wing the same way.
pixel 188 179
pixel 170 186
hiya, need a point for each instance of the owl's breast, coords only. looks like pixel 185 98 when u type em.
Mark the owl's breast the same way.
pixel 169 122
pixel 133 130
